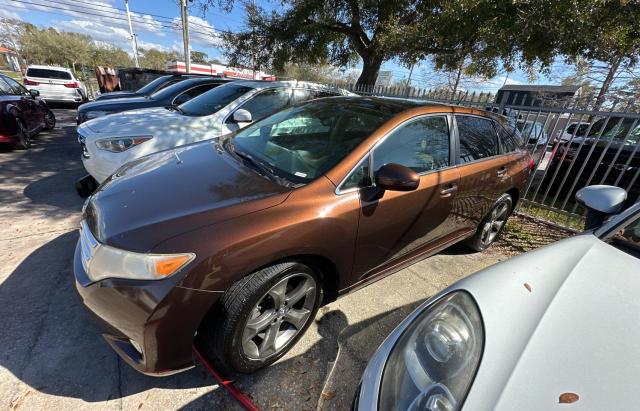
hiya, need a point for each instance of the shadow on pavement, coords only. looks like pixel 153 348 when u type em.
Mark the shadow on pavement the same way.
pixel 297 382
pixel 48 342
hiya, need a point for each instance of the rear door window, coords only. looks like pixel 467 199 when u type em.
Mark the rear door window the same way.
pixel 477 137
pixel 421 145
pixel 48 73
pixel 509 139
pixel 191 93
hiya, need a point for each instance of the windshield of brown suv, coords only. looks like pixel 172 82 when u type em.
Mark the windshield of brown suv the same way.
pixel 302 143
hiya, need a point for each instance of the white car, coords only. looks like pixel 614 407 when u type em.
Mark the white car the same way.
pixel 555 328
pixel 111 141
pixel 55 84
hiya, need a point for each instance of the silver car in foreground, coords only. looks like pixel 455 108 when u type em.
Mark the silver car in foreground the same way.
pixel 549 328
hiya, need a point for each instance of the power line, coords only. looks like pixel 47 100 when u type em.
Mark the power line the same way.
pixel 137 18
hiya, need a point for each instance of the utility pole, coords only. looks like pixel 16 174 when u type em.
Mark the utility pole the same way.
pixel 185 34
pixel 134 43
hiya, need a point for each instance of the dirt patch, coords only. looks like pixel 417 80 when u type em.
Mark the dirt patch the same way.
pixel 522 234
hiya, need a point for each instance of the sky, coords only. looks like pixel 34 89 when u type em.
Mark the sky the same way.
pixel 157 24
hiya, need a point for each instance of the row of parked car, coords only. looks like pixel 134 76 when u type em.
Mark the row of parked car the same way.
pixel 227 220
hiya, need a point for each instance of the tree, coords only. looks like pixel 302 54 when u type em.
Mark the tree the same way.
pixel 156 59
pixel 604 37
pixel 308 31
pixel 198 57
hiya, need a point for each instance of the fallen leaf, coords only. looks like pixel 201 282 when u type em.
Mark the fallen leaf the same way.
pixel 527 286
pixel 568 398
pixel 13 405
pixel 327 395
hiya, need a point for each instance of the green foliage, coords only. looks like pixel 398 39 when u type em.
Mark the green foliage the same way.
pixel 199 57
pixel 156 59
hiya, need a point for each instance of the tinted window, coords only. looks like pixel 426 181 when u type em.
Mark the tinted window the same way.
pixel 509 138
pixel 193 92
pixel 478 138
pixel 325 93
pixel 4 87
pixel 214 100
pixel 151 86
pixel 18 89
pixel 46 73
pixel 300 95
pixel 267 102
pixel 304 142
pixel 422 145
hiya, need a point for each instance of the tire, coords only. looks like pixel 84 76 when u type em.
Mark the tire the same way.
pixel 24 139
pixel 492 224
pixel 49 120
pixel 238 331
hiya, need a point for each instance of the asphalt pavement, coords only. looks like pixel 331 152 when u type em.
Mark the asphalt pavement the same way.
pixel 53 357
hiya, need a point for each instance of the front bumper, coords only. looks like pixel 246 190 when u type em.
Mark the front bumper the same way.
pixel 159 316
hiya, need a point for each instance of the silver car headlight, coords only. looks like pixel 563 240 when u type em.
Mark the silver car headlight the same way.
pixel 95 114
pixel 101 261
pixel 120 144
pixel 433 364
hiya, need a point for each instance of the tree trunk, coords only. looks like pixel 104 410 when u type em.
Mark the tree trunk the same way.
pixel 370 69
pixel 457 81
pixel 606 84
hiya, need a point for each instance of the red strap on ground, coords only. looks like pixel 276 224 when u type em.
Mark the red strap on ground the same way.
pixel 227 384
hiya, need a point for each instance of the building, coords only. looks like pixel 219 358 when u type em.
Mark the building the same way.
pixel 9 60
pixel 219 70
pixel 534 95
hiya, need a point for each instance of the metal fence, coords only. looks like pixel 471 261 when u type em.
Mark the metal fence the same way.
pixel 575 142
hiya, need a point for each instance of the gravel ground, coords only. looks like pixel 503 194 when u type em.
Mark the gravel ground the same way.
pixel 52 357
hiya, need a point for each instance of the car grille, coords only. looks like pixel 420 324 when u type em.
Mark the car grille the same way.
pixel 88 245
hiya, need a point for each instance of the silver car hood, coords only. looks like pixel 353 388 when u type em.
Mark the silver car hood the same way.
pixel 561 319
pixel 140 121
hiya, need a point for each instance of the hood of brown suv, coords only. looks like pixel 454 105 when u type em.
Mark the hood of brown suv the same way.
pixel 172 192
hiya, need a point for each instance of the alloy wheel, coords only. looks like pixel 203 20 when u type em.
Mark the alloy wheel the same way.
pixel 494 223
pixel 279 316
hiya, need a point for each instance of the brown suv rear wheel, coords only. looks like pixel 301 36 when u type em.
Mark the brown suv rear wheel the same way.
pixel 492 225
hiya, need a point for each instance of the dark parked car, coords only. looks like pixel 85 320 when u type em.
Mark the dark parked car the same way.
pixel 171 96
pixel 240 239
pixel 148 89
pixel 608 153
pixel 22 114
pixel 536 138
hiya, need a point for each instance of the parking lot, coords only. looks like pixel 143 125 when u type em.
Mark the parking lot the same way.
pixel 52 357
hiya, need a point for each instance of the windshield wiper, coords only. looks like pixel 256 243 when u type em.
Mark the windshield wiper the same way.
pixel 262 167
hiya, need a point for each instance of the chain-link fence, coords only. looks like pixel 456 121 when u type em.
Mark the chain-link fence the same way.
pixel 574 141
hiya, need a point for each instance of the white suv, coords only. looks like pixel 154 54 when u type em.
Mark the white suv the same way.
pixel 54 84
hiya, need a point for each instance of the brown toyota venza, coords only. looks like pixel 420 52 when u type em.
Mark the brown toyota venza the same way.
pixel 237 241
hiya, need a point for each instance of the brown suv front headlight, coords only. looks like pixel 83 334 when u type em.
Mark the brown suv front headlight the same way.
pixel 434 362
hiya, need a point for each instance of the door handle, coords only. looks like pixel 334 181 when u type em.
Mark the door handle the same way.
pixel 447 191
pixel 502 171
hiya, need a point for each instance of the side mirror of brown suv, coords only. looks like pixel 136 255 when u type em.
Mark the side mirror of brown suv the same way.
pixel 394 177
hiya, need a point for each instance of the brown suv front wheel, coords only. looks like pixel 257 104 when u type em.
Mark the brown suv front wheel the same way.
pixel 262 316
